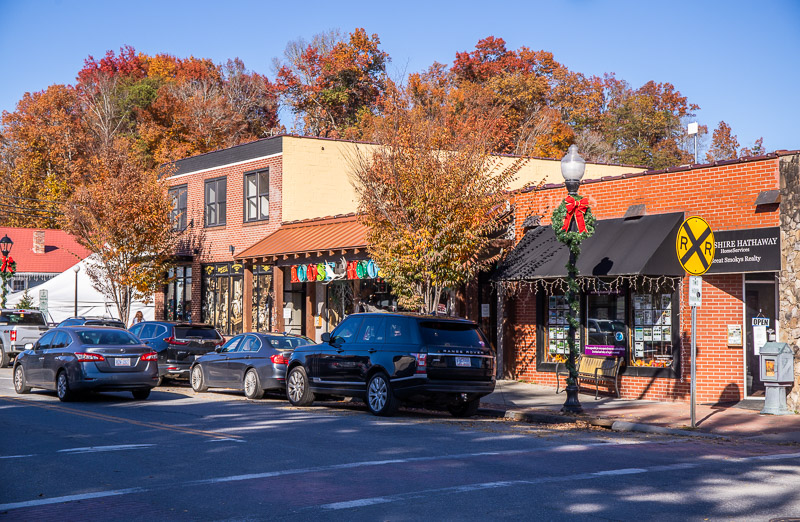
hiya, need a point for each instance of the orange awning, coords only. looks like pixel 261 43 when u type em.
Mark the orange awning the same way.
pixel 312 237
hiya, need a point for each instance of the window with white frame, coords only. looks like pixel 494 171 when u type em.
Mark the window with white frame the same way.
pixel 256 196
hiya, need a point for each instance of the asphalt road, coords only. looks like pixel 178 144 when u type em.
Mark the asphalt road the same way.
pixel 217 456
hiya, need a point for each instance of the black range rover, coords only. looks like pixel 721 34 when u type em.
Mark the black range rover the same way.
pixel 389 359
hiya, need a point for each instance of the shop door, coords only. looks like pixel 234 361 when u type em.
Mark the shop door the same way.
pixel 761 327
pixel 293 306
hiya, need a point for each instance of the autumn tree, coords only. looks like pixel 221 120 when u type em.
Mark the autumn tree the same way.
pixel 430 194
pixel 725 145
pixel 122 216
pixel 41 156
pixel 330 85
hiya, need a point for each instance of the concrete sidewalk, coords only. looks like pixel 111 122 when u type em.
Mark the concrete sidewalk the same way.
pixel 534 403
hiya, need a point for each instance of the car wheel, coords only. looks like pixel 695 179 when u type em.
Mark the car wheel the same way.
pixel 464 408
pixel 198 382
pixel 141 395
pixel 20 385
pixel 380 397
pixel 5 360
pixel 65 394
pixel 297 389
pixel 252 386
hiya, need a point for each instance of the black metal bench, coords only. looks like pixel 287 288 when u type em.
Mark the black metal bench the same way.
pixel 594 369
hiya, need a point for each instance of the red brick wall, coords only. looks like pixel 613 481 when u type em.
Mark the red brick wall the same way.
pixel 724 196
pixel 214 242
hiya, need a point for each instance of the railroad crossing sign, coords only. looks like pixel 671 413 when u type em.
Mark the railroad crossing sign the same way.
pixel 695 246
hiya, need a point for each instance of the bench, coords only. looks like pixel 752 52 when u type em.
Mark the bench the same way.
pixel 594 369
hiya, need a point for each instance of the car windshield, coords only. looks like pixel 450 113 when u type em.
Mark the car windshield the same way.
pixel 107 337
pixel 22 318
pixel 196 332
pixel 446 333
pixel 287 343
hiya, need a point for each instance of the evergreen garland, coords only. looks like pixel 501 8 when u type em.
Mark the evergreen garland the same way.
pixel 568 237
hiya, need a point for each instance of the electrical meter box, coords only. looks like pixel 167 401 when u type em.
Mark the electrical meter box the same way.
pixel 777 363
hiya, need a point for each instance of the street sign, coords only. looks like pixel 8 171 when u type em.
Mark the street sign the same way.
pixel 695 291
pixel 43 300
pixel 695 246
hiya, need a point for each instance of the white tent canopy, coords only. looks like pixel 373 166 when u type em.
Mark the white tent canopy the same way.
pixel 61 297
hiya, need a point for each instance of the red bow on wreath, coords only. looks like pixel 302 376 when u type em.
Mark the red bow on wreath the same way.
pixel 576 209
pixel 7 264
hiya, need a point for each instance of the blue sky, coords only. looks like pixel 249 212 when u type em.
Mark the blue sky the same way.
pixel 736 59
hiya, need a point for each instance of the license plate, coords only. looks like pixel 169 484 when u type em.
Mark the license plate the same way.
pixel 122 361
pixel 463 362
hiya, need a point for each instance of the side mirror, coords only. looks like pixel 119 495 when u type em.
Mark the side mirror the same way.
pixel 326 337
pixel 29 346
pixel 218 349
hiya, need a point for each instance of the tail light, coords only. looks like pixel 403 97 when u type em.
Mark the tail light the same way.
pixel 172 340
pixel 422 362
pixel 152 356
pixel 279 358
pixel 89 357
pixel 13 335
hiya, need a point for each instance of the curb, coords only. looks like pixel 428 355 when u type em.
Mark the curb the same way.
pixel 614 425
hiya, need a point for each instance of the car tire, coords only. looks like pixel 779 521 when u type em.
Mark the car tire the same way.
pixel 380 396
pixel 20 384
pixel 297 389
pixel 252 385
pixel 197 379
pixel 65 394
pixel 5 360
pixel 463 409
pixel 141 395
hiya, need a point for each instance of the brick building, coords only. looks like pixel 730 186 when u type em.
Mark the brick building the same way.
pixel 634 293
pixel 258 219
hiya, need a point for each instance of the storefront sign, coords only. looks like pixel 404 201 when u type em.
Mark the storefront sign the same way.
pixel 750 250
pixel 605 350
pixel 364 269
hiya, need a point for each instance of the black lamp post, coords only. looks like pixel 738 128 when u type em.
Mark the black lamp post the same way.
pixel 572 168
pixel 8 266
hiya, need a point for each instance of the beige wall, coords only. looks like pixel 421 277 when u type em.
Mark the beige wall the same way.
pixel 316 181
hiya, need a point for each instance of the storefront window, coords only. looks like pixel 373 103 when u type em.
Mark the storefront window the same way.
pixel 223 297
pixel 606 328
pixel 179 294
pixel 262 299
pixel 557 328
pixel 653 329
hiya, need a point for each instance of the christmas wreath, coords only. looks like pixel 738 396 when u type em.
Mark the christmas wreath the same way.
pixel 569 209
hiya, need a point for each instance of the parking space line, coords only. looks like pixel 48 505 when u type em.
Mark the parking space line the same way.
pixel 120 420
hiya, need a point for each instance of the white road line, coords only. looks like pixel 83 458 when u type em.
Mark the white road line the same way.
pixel 16 456
pixel 70 498
pixel 98 449
pixel 405 496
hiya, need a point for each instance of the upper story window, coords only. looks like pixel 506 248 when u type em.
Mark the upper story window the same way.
pixel 216 197
pixel 256 196
pixel 177 215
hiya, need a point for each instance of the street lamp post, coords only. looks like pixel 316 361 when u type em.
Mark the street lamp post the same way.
pixel 76 269
pixel 573 222
pixel 7 266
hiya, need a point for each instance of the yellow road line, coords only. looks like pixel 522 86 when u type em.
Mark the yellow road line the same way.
pixel 119 420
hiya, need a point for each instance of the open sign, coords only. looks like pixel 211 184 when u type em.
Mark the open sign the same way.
pixel 760 321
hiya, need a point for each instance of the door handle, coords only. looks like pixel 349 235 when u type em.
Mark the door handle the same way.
pixel 372 350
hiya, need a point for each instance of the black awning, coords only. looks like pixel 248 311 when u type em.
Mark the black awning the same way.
pixel 639 246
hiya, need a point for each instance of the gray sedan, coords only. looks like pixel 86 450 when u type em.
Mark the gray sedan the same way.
pixel 253 362
pixel 73 359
